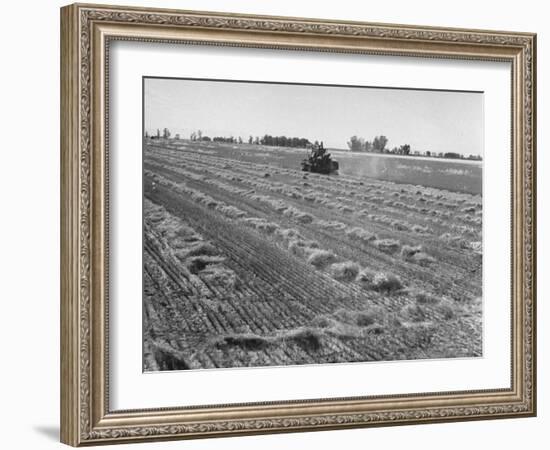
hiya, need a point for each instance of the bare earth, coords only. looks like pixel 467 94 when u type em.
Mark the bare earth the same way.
pixel 249 263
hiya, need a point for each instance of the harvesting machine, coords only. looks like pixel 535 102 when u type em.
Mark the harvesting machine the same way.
pixel 319 161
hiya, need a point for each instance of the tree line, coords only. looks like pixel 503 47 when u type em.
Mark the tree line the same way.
pixel 378 145
pixel 267 139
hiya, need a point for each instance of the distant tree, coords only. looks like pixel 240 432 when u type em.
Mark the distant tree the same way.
pixel 158 133
pixel 405 149
pixel 146 135
pixel 199 134
pixel 257 140
pixel 250 139
pixel 240 140
pixel 205 139
pixel 379 143
pixel 356 144
pixel 193 136
pixel 428 153
pixel 452 155
pixel 166 133
pixel 177 137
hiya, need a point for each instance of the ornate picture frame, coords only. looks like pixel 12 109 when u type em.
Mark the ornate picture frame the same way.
pixel 87 31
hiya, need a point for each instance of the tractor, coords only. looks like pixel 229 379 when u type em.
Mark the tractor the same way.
pixel 319 161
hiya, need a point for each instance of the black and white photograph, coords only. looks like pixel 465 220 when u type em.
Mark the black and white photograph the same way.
pixel 288 224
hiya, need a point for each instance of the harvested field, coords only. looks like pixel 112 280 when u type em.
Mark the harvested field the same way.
pixel 250 262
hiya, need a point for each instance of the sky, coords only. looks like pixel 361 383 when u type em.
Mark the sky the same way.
pixel 438 121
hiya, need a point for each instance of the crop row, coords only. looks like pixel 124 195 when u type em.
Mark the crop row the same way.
pixel 347 202
pixel 309 250
pixel 410 252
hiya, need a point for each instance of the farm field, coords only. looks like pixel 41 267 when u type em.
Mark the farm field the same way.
pixel 250 262
pixel 453 175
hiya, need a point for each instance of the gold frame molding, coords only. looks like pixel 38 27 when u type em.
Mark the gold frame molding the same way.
pixel 86 31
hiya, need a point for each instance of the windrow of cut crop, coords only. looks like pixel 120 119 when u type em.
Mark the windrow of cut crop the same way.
pixel 256 168
pixel 278 204
pixel 299 247
pixel 396 189
pixel 313 196
pixel 291 239
pixel 392 223
pixel 384 246
pixel 433 195
pixel 234 241
pixel 309 251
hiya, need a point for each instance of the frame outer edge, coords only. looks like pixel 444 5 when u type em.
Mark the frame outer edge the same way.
pixel 79 425
pixel 533 178
pixel 69 183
